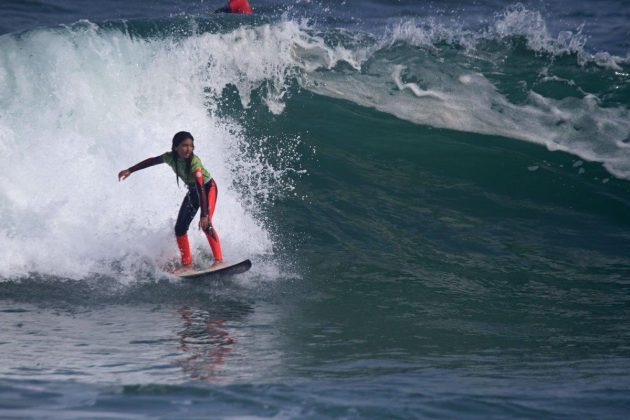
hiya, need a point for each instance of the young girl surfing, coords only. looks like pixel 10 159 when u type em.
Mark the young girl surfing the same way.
pixel 202 191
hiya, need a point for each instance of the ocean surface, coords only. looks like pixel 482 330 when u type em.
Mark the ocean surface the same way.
pixel 435 196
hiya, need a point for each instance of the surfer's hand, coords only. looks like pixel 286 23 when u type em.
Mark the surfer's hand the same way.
pixel 123 174
pixel 203 223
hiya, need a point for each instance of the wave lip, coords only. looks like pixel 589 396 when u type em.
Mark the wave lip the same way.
pixel 514 22
pixel 429 73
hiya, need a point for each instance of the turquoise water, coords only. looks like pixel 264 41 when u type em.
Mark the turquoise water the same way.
pixel 435 198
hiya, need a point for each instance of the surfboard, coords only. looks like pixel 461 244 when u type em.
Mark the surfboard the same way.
pixel 224 269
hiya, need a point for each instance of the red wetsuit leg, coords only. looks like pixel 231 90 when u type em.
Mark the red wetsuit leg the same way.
pixel 211 233
pixel 208 202
pixel 184 249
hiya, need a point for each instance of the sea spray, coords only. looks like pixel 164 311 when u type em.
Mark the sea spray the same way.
pixel 79 104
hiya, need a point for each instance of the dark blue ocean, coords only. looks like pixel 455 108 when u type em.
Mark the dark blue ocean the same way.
pixel 435 196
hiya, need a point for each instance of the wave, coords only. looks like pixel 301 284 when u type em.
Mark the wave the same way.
pixel 511 79
pixel 81 102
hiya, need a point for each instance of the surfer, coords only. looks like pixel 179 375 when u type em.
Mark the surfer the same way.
pixel 236 6
pixel 202 191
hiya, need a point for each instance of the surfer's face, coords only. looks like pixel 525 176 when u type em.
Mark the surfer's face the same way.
pixel 185 149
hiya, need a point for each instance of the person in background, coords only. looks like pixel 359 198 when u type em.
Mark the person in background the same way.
pixel 236 6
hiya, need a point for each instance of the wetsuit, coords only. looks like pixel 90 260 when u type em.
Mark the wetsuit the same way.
pixel 202 192
pixel 236 6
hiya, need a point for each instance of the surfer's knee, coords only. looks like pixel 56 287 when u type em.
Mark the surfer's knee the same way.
pixel 180 229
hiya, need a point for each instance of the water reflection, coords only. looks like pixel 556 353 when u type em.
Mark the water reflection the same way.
pixel 141 334
pixel 207 342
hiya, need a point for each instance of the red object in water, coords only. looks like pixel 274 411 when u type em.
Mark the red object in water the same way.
pixel 240 6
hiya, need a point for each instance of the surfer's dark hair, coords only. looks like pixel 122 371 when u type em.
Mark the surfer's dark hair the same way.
pixel 178 138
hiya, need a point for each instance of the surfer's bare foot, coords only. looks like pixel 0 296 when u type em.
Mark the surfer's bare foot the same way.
pixel 183 269
pixel 216 264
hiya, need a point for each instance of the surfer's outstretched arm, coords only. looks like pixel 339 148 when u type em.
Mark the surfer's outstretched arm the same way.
pixel 144 164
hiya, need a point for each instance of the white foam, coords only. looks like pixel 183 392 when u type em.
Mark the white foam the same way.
pixel 80 103
pixel 414 88
pixel 513 21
